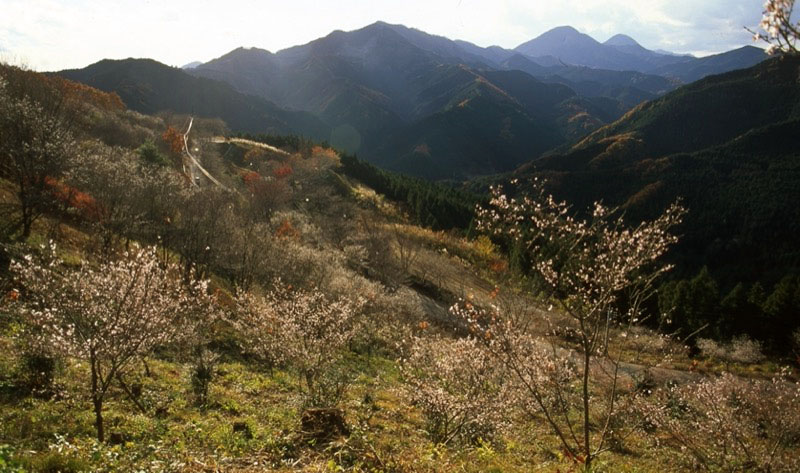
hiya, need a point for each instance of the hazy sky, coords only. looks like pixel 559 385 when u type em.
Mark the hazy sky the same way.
pixel 53 35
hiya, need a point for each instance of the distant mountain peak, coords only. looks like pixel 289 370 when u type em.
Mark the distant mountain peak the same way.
pixel 564 29
pixel 379 25
pixel 386 24
pixel 558 37
pixel 241 53
pixel 254 50
pixel 569 32
pixel 621 40
pixel 191 65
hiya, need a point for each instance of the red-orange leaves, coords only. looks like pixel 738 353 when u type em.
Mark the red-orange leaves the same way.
pixel 282 171
pixel 287 230
pixel 174 139
pixel 72 197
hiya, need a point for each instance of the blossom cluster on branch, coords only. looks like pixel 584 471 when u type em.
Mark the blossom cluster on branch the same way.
pixel 114 311
pixel 779 32
pixel 585 264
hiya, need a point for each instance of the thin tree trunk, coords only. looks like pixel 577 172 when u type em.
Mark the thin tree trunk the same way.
pixel 130 394
pixel 26 228
pixel 98 416
pixel 97 400
pixel 586 446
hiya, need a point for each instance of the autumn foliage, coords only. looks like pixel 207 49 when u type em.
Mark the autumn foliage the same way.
pixel 82 93
pixel 84 203
pixel 282 171
pixel 174 140
pixel 325 152
pixel 286 230
pixel 251 180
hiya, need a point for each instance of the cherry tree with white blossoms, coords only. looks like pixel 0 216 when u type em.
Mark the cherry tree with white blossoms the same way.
pixel 459 388
pixel 107 314
pixel 591 269
pixel 303 329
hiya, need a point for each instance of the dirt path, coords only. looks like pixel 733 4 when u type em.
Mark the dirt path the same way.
pixel 195 163
pixel 242 141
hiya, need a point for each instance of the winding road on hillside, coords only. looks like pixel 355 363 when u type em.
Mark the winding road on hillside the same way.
pixel 242 141
pixel 195 163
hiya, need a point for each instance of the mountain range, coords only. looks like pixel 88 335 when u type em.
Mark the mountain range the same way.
pixel 420 103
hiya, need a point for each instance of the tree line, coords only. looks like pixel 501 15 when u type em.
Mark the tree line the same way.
pixel 434 205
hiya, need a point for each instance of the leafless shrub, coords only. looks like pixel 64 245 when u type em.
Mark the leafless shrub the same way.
pixel 407 250
pixel 121 128
pixel 458 387
pixel 203 228
pixel 35 143
pixel 739 350
pixel 643 341
pixel 304 330
pixel 389 317
pixel 728 423
pixel 377 251
pixel 249 255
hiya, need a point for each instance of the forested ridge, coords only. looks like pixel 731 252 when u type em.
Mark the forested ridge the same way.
pixel 727 147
